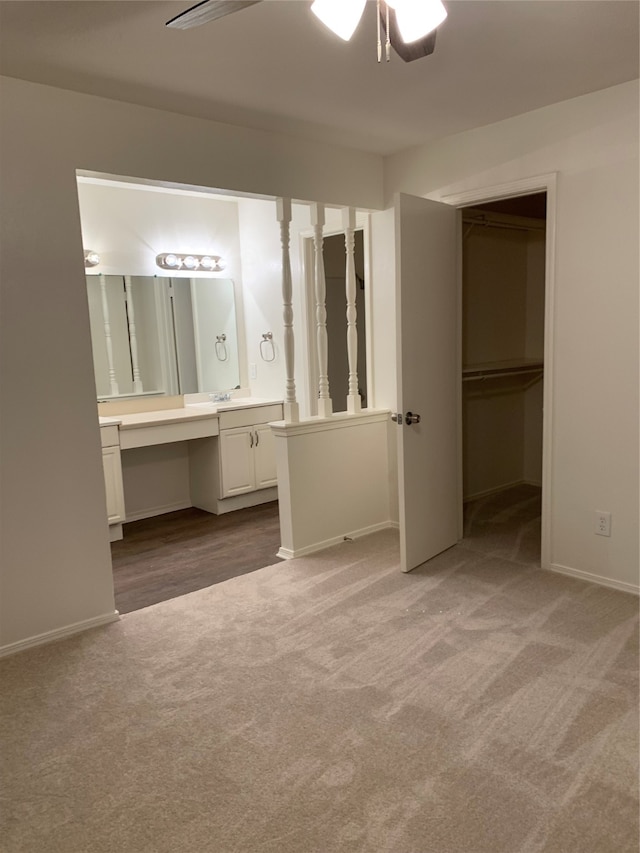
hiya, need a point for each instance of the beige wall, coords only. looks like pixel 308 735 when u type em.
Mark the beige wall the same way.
pixel 55 553
pixel 592 144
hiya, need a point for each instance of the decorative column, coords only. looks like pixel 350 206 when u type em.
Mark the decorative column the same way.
pixel 133 341
pixel 354 403
pixel 325 406
pixel 291 408
pixel 113 382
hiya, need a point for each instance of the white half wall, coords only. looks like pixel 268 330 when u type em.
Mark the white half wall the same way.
pixel 332 480
pixel 591 143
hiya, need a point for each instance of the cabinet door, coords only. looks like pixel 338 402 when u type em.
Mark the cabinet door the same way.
pixel 265 457
pixel 113 484
pixel 236 461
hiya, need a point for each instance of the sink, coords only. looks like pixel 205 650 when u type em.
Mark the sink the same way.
pixel 238 402
pixel 235 403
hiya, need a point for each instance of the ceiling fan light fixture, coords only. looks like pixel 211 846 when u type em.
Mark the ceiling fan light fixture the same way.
pixel 340 16
pixel 417 18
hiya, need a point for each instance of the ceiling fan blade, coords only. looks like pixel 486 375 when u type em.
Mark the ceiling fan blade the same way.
pixel 208 10
pixel 412 50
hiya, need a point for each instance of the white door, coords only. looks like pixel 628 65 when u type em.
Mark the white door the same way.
pixel 428 380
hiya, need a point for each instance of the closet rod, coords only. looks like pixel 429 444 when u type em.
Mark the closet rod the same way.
pixel 486 223
pixel 491 374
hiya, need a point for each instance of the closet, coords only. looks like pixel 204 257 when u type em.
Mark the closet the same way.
pixel 503 274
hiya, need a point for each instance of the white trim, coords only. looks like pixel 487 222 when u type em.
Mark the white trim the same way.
pixel 601 580
pixel 115 532
pixel 289 554
pixel 512 189
pixel 526 186
pixel 497 489
pixel 150 512
pixel 255 498
pixel 339 420
pixel 58 634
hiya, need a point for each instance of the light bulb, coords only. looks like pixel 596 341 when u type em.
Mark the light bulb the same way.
pixel 172 261
pixel 190 262
pixel 220 264
pixel 341 16
pixel 417 18
pixel 91 259
pixel 207 263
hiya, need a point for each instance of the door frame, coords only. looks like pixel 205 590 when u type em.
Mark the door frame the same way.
pixel 527 186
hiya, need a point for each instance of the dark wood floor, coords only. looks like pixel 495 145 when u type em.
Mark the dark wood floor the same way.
pixel 179 552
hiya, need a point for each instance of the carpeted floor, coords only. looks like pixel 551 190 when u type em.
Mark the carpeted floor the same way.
pixel 332 704
pixel 506 524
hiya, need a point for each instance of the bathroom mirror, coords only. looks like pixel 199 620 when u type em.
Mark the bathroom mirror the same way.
pixel 154 335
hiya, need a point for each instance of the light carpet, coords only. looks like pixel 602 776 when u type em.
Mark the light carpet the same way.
pixel 331 703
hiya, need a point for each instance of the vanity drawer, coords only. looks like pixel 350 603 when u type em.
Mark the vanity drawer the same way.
pixel 109 436
pixel 167 433
pixel 250 416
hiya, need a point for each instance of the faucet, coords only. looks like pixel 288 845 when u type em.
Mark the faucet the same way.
pixel 220 397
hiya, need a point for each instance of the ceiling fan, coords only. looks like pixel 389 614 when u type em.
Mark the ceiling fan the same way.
pixel 409 25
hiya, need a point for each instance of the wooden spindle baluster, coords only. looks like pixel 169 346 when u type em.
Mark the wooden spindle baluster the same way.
pixel 354 403
pixel 325 406
pixel 291 408
pixel 113 382
pixel 133 341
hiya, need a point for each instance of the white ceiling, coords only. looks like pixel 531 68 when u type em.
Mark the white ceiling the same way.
pixel 274 66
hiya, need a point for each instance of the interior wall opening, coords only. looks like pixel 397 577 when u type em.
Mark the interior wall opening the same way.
pixel 338 363
pixel 180 516
pixel 333 254
pixel 503 322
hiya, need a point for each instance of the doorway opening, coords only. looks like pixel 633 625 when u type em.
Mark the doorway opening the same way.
pixel 333 253
pixel 503 344
pixel 337 362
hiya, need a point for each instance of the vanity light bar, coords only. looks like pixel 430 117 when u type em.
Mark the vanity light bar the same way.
pixel 91 259
pixel 203 263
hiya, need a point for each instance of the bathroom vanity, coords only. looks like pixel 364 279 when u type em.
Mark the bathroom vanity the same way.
pixel 230 449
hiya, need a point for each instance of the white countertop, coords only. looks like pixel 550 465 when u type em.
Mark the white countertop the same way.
pixel 190 412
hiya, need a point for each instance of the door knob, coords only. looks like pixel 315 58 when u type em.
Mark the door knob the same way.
pixel 410 418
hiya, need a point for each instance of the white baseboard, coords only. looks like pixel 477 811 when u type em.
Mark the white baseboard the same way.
pixel 115 532
pixel 248 499
pixel 497 489
pixel 58 633
pixel 156 510
pixel 623 586
pixel 290 554
pixel 494 491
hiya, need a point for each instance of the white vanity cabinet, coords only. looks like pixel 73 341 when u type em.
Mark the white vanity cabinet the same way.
pixel 112 467
pixel 247 460
pixel 242 470
pixel 247 450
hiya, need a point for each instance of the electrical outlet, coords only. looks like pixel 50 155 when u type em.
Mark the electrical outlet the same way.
pixel 253 371
pixel 602 523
